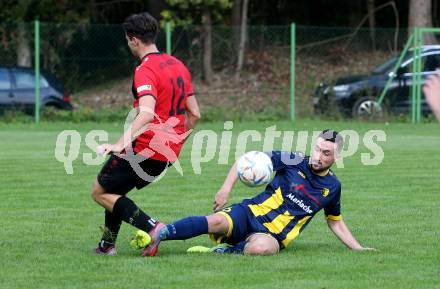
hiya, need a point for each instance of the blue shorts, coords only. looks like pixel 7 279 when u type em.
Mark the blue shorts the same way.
pixel 242 224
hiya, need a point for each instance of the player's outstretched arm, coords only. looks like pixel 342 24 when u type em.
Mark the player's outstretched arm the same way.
pixel 192 112
pixel 340 229
pixel 432 93
pixel 222 195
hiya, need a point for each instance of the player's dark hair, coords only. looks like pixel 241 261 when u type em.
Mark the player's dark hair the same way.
pixel 334 137
pixel 142 26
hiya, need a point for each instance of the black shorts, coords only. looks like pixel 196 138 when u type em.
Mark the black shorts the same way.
pixel 118 177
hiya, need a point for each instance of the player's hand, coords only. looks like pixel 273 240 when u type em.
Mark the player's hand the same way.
pixel 107 148
pixel 220 200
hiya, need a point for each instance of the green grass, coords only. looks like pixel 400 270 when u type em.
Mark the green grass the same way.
pixel 50 223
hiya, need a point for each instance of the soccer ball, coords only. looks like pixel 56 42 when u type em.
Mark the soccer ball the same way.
pixel 254 168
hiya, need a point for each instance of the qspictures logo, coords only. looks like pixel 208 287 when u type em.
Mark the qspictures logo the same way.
pixel 209 146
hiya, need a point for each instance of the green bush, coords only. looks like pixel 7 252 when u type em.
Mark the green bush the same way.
pixel 15 116
pixel 86 114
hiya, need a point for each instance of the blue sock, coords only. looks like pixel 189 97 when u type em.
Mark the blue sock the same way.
pixel 236 249
pixel 185 228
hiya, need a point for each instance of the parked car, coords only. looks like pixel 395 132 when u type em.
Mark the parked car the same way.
pixel 17 90
pixel 357 95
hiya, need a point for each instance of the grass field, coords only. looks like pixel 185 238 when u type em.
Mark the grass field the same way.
pixel 50 224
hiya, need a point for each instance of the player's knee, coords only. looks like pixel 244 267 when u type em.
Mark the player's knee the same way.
pixel 96 192
pixel 261 245
pixel 217 223
pixel 259 249
pixel 95 195
pixel 254 249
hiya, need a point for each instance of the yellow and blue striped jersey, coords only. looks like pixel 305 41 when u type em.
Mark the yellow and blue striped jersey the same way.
pixel 294 196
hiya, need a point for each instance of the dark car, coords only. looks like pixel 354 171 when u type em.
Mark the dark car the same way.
pixel 17 90
pixel 357 95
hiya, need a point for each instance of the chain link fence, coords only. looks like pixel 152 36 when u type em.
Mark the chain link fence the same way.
pixel 95 65
pixel 262 86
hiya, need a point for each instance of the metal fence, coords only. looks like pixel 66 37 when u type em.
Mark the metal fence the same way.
pixel 95 65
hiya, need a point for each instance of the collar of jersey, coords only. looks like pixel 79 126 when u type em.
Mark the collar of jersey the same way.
pixel 146 55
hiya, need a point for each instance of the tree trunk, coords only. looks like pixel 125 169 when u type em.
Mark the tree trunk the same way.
pixel 372 22
pixel 93 13
pixel 23 47
pixel 243 34
pixel 207 46
pixel 435 13
pixel 155 7
pixel 235 22
pixel 420 15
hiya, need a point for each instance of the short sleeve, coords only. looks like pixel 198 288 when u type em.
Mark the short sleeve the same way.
pixel 144 82
pixel 188 82
pixel 333 210
pixel 281 159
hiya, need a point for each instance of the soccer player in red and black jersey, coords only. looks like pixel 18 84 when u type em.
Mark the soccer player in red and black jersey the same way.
pixel 166 111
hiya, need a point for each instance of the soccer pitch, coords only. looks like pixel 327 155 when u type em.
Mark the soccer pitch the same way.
pixel 50 225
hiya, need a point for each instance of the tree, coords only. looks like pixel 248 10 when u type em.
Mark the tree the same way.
pixel 372 22
pixel 242 43
pixel 198 11
pixel 15 16
pixel 155 7
pixel 24 52
pixel 20 13
pixel 236 22
pixel 207 45
pixel 420 15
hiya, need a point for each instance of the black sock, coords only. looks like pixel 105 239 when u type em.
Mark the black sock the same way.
pixel 127 210
pixel 111 229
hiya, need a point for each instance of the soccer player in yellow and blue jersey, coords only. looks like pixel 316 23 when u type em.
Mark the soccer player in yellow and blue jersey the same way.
pixel 263 225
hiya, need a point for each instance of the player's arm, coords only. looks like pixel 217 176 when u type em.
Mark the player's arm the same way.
pixel 222 195
pixel 340 229
pixel 192 112
pixel 138 126
pixel 432 93
pixel 333 216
